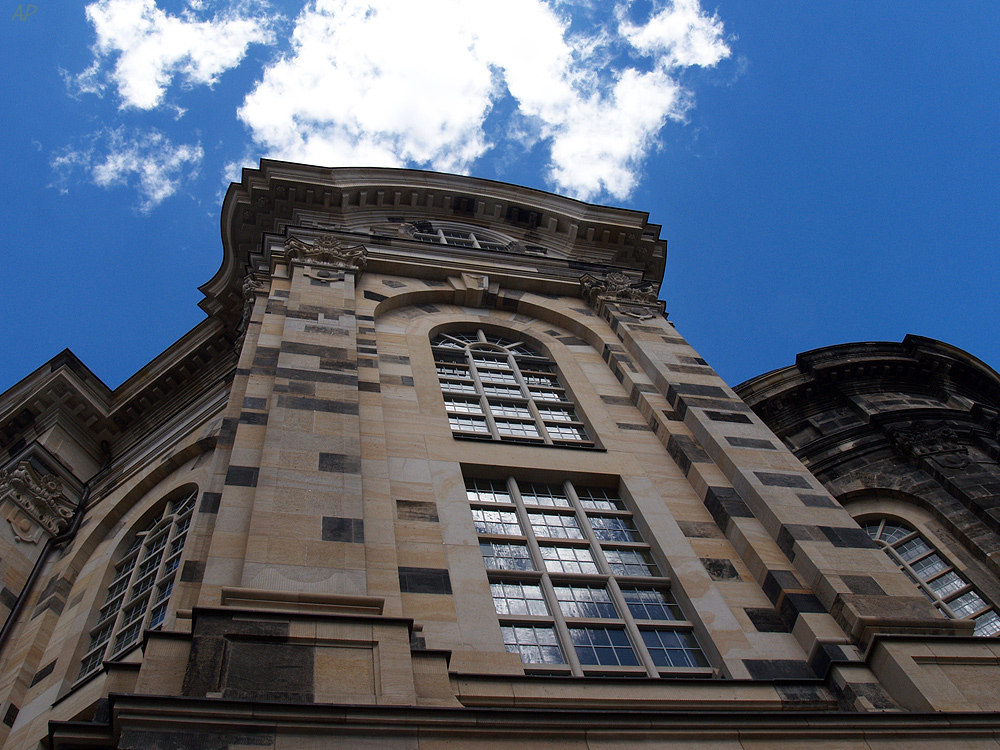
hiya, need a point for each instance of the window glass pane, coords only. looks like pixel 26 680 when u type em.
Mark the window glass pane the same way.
pixel 614 528
pixel 496 522
pixel 913 549
pixel 512 598
pixel 605 646
pixel 504 391
pixel 544 494
pixel 463 405
pixel 988 624
pixel 510 409
pixel 497 376
pixel 517 429
pixel 967 604
pixel 674 648
pixel 630 562
pixel 928 566
pixel 651 604
pixel 486 491
pixel 499 556
pixel 947 584
pixel 585 601
pixel 569 560
pixel 535 644
pixel 893 532
pixel 467 424
pixel 555 525
pixel 599 498
pixel 566 432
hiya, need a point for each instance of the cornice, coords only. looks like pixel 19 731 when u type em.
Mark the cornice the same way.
pixel 279 195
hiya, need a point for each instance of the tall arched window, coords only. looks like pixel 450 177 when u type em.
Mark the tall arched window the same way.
pixel 497 388
pixel 138 595
pixel 933 574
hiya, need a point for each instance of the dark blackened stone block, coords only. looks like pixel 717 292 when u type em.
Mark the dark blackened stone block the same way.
pixel 725 503
pixel 227 432
pixel 825 655
pixel 817 501
pixel 700 530
pixel 42 673
pixel 343 530
pixel 765 620
pixel 633 427
pixel 210 502
pixel 151 739
pixel 863 585
pixel 774 479
pixel 374 296
pixel 778 581
pixel 11 716
pixel 847 537
pixel 693 389
pixel 686 451
pixel 204 670
pixel 725 416
pixel 242 476
pixel 340 463
pixel 720 569
pixel 424 581
pixel 302 403
pixel 193 571
pixel 743 442
pixel 778 669
pixel 7 598
pixel 253 417
pixel 280 672
pixel 254 403
pixel 617 400
pixel 794 604
pixel 369 387
pixel 416 510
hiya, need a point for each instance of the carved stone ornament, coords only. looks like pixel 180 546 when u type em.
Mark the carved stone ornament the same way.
pixel 931 440
pixel 250 288
pixel 33 504
pixel 328 250
pixel 617 287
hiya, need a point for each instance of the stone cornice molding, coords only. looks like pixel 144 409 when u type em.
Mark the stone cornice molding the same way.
pixel 329 251
pixel 33 503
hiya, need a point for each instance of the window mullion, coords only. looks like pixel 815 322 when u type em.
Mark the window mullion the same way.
pixel 484 402
pixel 562 631
pixel 616 593
pixel 526 394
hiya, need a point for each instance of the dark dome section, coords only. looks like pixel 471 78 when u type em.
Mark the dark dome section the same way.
pixel 918 420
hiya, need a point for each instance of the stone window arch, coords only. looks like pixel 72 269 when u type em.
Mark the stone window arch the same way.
pixel 499 387
pixel 926 562
pixel 139 593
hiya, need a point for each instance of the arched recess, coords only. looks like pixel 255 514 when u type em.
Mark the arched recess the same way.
pixel 908 535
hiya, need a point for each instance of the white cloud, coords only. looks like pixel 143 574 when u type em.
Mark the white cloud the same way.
pixel 152 48
pixel 396 82
pixel 148 162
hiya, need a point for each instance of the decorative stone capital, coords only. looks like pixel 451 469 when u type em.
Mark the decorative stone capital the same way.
pixel 33 504
pixel 636 299
pixel 250 289
pixel 328 250
pixel 931 440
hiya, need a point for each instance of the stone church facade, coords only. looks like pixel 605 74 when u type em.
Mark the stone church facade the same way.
pixel 436 471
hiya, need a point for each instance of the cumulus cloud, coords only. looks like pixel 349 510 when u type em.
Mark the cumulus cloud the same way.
pixel 151 48
pixel 397 82
pixel 149 162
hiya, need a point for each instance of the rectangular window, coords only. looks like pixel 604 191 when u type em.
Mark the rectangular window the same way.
pixel 463 405
pixel 499 556
pixel 565 432
pixel 510 428
pixel 557 413
pixel 614 529
pixel 630 562
pixel 603 646
pixel 569 560
pixel 468 424
pixel 651 604
pixel 598 498
pixel 544 494
pixel 510 409
pixel 496 522
pixel 511 598
pixel 555 525
pixel 586 601
pixel 487 491
pixel 535 644
pixel 674 648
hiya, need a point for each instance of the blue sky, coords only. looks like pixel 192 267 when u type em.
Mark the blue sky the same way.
pixel 824 172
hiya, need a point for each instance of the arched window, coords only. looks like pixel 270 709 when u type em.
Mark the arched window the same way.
pixel 497 388
pixel 933 574
pixel 138 595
